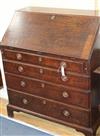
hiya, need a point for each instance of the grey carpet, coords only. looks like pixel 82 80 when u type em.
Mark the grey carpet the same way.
pixel 12 128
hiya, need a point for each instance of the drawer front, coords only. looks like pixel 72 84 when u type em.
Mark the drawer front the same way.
pixel 43 60
pixel 50 75
pixel 40 88
pixel 49 108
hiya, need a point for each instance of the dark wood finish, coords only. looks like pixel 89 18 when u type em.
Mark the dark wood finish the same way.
pixel 49 108
pixel 51 75
pixel 48 90
pixel 49 63
pixel 42 60
pixel 10 112
pixel 46 32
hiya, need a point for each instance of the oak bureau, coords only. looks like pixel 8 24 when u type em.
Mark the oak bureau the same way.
pixel 49 61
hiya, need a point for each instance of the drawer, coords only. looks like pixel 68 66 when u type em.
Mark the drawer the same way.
pixel 49 108
pixel 71 65
pixel 50 75
pixel 47 90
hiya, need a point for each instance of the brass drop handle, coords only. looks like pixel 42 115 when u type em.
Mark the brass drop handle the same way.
pixel 44 102
pixel 41 71
pixel 66 113
pixel 42 85
pixel 65 94
pixel 19 56
pixel 25 101
pixel 20 69
pixel 40 59
pixel 22 83
pixel 52 17
pixel 62 70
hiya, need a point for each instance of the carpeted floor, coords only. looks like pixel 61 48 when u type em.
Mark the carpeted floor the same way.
pixel 9 127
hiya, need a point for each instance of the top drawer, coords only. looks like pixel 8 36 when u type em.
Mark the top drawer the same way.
pixel 46 61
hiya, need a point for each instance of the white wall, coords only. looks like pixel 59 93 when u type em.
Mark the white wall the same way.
pixel 98 6
pixel 7 8
pixel 73 4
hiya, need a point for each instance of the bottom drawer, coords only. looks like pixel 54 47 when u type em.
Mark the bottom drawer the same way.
pixel 49 108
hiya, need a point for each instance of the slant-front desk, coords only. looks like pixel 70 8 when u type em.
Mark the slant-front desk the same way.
pixel 49 61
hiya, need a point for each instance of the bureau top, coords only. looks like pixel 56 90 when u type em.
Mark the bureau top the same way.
pixel 65 35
